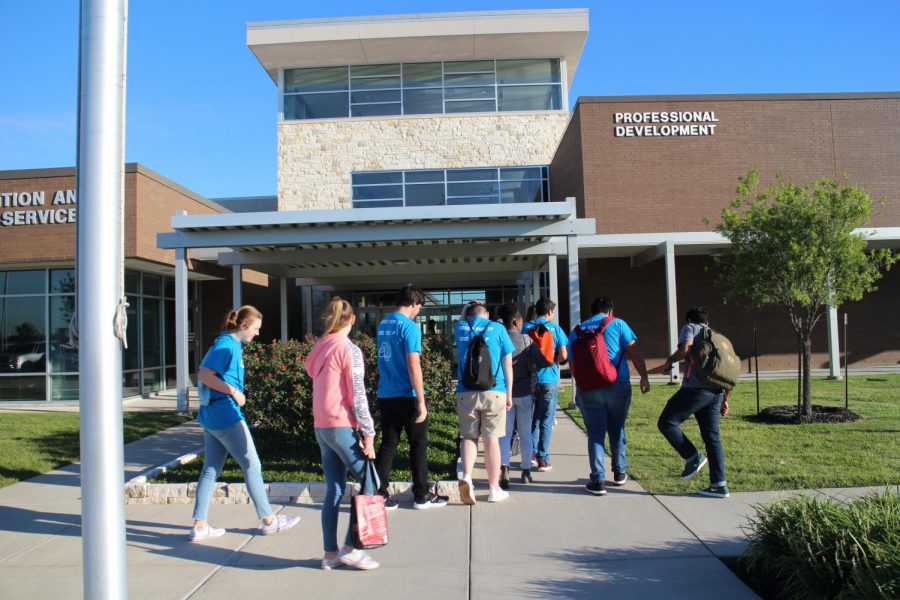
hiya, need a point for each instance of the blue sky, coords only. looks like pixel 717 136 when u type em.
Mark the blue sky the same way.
pixel 201 110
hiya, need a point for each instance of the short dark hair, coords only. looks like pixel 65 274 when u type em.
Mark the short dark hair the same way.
pixel 409 295
pixel 697 314
pixel 508 313
pixel 544 306
pixel 601 304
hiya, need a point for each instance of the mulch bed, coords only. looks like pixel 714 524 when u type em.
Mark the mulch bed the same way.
pixel 787 415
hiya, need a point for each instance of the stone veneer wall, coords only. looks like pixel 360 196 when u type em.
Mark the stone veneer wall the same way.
pixel 316 158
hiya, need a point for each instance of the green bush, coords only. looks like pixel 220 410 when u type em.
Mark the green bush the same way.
pixel 279 392
pixel 823 549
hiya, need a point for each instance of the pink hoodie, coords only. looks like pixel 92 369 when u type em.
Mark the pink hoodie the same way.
pixel 339 390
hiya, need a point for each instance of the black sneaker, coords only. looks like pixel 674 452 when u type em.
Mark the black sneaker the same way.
pixel 619 477
pixel 693 467
pixel 715 491
pixel 390 504
pixel 597 488
pixel 430 501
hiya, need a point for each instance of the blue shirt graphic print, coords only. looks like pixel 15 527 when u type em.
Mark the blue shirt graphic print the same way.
pixel 618 335
pixel 225 357
pixel 498 342
pixel 548 374
pixel 397 336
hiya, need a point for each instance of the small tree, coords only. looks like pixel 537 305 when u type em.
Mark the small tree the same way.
pixel 794 246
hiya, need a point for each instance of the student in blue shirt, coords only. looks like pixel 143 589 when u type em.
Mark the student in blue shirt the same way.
pixel 224 429
pixel 401 398
pixel 547 388
pixel 483 413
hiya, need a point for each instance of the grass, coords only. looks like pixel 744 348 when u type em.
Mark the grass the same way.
pixel 34 443
pixel 759 456
pixel 286 461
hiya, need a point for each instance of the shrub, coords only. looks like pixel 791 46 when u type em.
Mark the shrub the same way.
pixel 821 549
pixel 279 392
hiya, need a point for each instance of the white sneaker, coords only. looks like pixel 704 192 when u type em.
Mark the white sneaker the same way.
pixel 498 495
pixel 198 535
pixel 357 559
pixel 279 523
pixel 466 490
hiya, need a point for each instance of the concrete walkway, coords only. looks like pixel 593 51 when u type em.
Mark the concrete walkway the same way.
pixel 550 539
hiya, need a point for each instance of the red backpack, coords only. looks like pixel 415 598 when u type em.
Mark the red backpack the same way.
pixel 590 363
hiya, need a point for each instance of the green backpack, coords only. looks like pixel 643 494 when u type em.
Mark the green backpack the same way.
pixel 714 359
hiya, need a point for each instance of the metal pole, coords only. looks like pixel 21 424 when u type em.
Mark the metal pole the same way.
pixel 100 180
pixel 846 368
pixel 756 358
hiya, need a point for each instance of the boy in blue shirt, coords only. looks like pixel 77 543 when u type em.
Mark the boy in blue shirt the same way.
pixel 547 388
pixel 401 398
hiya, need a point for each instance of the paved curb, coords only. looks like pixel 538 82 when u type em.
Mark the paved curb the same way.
pixel 141 490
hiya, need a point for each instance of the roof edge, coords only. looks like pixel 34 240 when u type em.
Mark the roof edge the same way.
pixel 738 97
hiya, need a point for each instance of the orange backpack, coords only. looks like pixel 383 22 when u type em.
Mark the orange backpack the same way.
pixel 543 350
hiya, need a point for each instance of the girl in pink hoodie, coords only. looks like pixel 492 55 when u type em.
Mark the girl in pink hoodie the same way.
pixel 344 427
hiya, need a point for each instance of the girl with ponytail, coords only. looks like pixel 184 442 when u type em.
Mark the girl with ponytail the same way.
pixel 224 429
pixel 344 427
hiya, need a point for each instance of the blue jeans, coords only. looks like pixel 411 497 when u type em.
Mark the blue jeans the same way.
pixel 219 443
pixel 544 413
pixel 705 405
pixel 519 418
pixel 604 411
pixel 340 451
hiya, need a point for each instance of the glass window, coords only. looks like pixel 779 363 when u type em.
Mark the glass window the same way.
pixel 375 70
pixel 520 173
pixel 377 192
pixel 378 178
pixel 23 388
pixel 375 96
pixel 471 106
pixel 423 102
pixel 422 75
pixel 469 93
pixel 152 285
pixel 520 191
pixel 132 282
pixel 478 188
pixel 152 379
pixel 469 79
pixel 378 203
pixel 63 335
pixel 424 176
pixel 152 342
pixel 430 194
pixel 529 97
pixel 375 83
pixel 468 66
pixel 131 383
pixel 23 282
pixel 171 378
pixel 451 201
pixel 62 281
pixel 169 358
pixel 169 285
pixel 375 110
pixel 316 106
pixel 22 336
pixel 472 175
pixel 64 387
pixel 542 70
pixel 318 79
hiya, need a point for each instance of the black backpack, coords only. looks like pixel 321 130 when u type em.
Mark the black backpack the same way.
pixel 477 373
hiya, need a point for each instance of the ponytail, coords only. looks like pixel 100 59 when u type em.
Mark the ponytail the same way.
pixel 240 318
pixel 338 314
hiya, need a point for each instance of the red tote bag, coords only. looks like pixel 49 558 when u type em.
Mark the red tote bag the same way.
pixel 368 516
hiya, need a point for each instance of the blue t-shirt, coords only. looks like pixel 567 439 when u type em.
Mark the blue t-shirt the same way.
pixel 225 357
pixel 548 374
pixel 618 335
pixel 498 343
pixel 397 336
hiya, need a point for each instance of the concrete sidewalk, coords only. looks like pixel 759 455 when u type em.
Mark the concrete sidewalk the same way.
pixel 550 539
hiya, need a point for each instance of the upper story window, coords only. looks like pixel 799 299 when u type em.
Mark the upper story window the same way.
pixel 422 88
pixel 449 187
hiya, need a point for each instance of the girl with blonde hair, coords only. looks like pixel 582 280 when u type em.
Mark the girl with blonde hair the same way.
pixel 344 427
pixel 224 429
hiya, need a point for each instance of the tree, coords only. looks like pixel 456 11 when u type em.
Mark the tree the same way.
pixel 795 246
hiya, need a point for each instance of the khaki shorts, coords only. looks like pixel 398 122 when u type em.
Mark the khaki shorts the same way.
pixel 481 414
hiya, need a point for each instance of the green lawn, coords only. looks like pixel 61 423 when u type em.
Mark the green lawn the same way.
pixel 286 461
pixel 775 457
pixel 34 443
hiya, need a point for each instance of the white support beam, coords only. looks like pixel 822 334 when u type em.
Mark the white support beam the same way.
pixel 649 255
pixel 182 376
pixel 412 269
pixel 554 284
pixel 535 286
pixel 834 347
pixel 364 281
pixel 338 234
pixel 236 300
pixel 671 306
pixel 284 309
pixel 574 283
